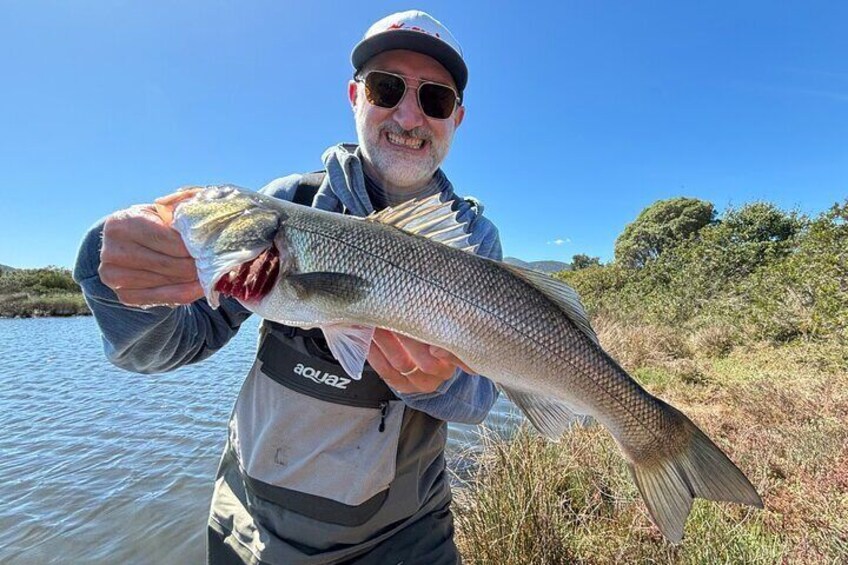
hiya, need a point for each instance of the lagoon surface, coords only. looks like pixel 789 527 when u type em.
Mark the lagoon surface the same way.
pixel 99 465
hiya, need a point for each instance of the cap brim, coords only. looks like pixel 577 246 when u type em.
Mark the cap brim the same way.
pixel 414 41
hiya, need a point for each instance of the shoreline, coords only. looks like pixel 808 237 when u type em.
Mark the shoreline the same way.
pixel 46 305
pixel 40 293
pixel 39 314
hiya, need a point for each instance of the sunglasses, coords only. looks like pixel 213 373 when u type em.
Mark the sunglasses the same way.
pixel 386 90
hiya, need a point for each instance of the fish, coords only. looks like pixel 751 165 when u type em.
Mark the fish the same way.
pixel 412 269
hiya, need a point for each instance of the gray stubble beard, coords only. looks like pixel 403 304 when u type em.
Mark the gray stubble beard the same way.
pixel 394 171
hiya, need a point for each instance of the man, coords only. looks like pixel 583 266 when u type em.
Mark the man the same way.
pixel 319 468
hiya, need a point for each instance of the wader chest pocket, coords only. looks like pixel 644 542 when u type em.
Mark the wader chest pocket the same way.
pixel 288 432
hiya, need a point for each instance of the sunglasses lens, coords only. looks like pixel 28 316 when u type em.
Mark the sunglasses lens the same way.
pixel 384 90
pixel 437 101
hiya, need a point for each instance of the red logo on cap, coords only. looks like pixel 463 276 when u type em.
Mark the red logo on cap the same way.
pixel 398 25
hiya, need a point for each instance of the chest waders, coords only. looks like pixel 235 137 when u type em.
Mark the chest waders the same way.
pixel 320 468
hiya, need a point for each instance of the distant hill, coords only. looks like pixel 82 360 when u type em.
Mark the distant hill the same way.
pixel 543 266
pixel 5 268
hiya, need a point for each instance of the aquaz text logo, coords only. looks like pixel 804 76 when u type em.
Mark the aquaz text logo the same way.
pixel 321 377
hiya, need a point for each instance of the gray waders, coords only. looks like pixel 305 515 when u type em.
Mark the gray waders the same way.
pixel 320 468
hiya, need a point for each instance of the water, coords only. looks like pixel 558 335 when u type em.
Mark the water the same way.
pixel 99 465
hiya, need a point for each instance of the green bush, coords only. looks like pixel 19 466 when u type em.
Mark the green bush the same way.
pixel 38 281
pixel 49 291
pixel 766 273
pixel 583 261
pixel 661 226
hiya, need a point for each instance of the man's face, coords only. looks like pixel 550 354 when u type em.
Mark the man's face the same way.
pixel 402 145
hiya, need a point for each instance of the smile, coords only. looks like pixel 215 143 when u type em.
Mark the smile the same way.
pixel 404 141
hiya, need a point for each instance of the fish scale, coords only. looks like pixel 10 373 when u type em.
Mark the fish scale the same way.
pixel 536 324
pixel 521 329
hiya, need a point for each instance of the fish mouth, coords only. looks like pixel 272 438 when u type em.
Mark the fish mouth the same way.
pixel 253 280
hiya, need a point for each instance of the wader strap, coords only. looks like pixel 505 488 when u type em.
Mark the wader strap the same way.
pixel 301 361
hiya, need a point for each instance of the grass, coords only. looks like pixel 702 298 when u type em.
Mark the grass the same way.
pixel 29 305
pixel 47 291
pixel 780 412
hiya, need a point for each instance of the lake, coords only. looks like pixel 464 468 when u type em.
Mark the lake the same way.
pixel 100 465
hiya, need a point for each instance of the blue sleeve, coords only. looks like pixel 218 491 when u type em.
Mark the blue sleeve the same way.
pixel 158 339
pixel 464 398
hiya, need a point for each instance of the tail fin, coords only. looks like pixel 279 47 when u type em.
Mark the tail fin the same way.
pixel 700 469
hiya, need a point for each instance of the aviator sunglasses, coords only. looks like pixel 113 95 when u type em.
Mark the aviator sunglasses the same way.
pixel 386 90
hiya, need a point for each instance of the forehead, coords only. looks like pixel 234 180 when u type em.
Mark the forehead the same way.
pixel 410 63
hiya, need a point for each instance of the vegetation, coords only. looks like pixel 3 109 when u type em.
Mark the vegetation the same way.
pixel 660 227
pixel 583 261
pixel 758 274
pixel 49 291
pixel 743 325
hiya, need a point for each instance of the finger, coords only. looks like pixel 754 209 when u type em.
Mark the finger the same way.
pixel 393 351
pixel 422 382
pixel 423 358
pixel 452 359
pixel 132 255
pixel 118 277
pixel 183 193
pixel 166 204
pixel 184 293
pixel 416 382
pixel 143 225
pixel 387 372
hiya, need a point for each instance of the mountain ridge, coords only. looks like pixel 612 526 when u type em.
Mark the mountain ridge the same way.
pixel 548 266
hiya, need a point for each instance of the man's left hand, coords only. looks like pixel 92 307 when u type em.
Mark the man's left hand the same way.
pixel 409 366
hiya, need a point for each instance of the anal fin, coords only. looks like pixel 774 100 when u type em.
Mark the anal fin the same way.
pixel 550 417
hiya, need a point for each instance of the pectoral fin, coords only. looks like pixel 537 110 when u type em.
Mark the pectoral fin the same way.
pixel 350 345
pixel 340 286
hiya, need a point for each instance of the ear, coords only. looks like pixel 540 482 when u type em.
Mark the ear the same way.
pixel 352 89
pixel 458 116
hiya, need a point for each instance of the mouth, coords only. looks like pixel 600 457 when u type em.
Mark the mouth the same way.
pixel 405 141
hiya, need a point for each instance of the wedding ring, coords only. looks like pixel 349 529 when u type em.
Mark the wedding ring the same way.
pixel 409 372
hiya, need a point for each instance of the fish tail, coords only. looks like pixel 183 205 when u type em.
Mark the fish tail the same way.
pixel 699 469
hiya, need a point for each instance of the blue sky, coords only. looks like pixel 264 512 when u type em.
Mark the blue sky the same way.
pixel 579 114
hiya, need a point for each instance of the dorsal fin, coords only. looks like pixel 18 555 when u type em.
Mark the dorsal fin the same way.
pixel 430 218
pixel 563 295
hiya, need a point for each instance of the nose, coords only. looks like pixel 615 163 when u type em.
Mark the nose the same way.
pixel 408 114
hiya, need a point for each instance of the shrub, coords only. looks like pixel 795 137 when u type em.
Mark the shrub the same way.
pixel 38 281
pixel 661 226
pixel 757 273
pixel 583 261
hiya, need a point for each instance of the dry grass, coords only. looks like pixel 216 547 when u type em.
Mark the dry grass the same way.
pixel 780 413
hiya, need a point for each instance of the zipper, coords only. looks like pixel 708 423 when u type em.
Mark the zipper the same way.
pixel 384 409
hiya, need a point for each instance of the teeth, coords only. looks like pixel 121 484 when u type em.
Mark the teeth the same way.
pixel 404 141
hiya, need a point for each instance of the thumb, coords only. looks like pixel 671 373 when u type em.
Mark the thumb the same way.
pixel 166 205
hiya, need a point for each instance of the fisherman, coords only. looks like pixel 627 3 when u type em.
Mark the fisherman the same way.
pixel 318 467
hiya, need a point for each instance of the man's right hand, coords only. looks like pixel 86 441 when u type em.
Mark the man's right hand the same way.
pixel 144 260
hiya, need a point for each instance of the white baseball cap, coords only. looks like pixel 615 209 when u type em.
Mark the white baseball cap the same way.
pixel 416 31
